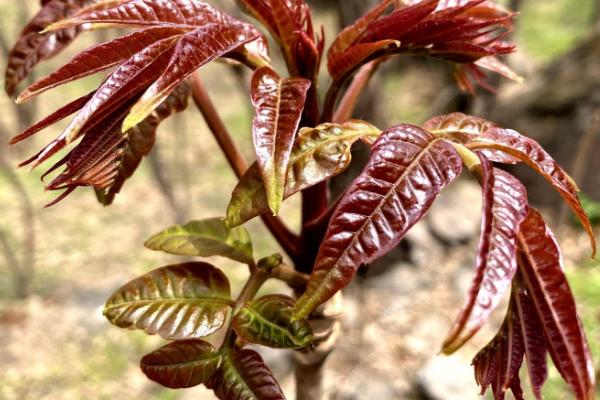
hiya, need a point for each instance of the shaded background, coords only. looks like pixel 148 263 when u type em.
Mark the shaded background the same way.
pixel 58 265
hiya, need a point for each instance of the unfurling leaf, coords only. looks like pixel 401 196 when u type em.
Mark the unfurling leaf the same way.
pixel 461 33
pixel 244 376
pixel 318 154
pixel 205 238
pixel 498 364
pixel 530 152
pixel 32 47
pixel 182 364
pixel 184 301
pixel 267 321
pixel 278 104
pixel 540 265
pixel 504 208
pixel 406 172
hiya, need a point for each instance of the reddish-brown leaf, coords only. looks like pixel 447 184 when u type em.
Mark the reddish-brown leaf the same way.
pixel 504 208
pixel 278 105
pixel 343 64
pixel 497 364
pixel 51 119
pixel 406 172
pixel 193 50
pixel 141 138
pixel 181 364
pixel 184 14
pixel 530 152
pixel 32 47
pixel 351 33
pixel 244 376
pixel 541 267
pixel 533 340
pixel 99 58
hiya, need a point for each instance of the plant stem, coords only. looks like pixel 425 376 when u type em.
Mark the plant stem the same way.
pixel 352 95
pixel 286 238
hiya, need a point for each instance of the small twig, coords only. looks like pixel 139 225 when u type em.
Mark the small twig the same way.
pixel 296 280
pixel 352 95
pixel 286 238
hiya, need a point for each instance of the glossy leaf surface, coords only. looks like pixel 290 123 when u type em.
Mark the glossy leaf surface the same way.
pixel 542 271
pixel 32 47
pixel 184 301
pixel 407 170
pixel 192 51
pixel 504 208
pixel 205 238
pixel 244 376
pixel 318 154
pixel 530 152
pixel 267 321
pixel 278 105
pixel 182 364
pixel 99 58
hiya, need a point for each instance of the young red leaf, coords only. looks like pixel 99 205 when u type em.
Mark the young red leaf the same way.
pixel 53 118
pixel 406 172
pixel 533 340
pixel 278 104
pixel 32 47
pixel 504 208
pixel 141 139
pixel 530 152
pixel 542 271
pixel 244 376
pixel 318 154
pixel 128 81
pixel 182 364
pixel 183 14
pixel 497 364
pixel 99 58
pixel 351 33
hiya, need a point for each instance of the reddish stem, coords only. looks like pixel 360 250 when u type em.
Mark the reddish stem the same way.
pixel 350 99
pixel 286 238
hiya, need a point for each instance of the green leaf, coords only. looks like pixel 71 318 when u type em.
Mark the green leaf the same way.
pixel 267 321
pixel 184 301
pixel 318 154
pixel 182 364
pixel 205 238
pixel 244 376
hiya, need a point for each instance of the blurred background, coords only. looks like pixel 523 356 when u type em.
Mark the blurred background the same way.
pixel 59 265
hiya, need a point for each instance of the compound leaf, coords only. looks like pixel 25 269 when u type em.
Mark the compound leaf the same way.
pixel 406 172
pixel 183 301
pixel 182 364
pixel 504 208
pixel 267 321
pixel 205 238
pixel 99 58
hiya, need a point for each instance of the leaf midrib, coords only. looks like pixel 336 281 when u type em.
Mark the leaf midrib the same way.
pixel 359 231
